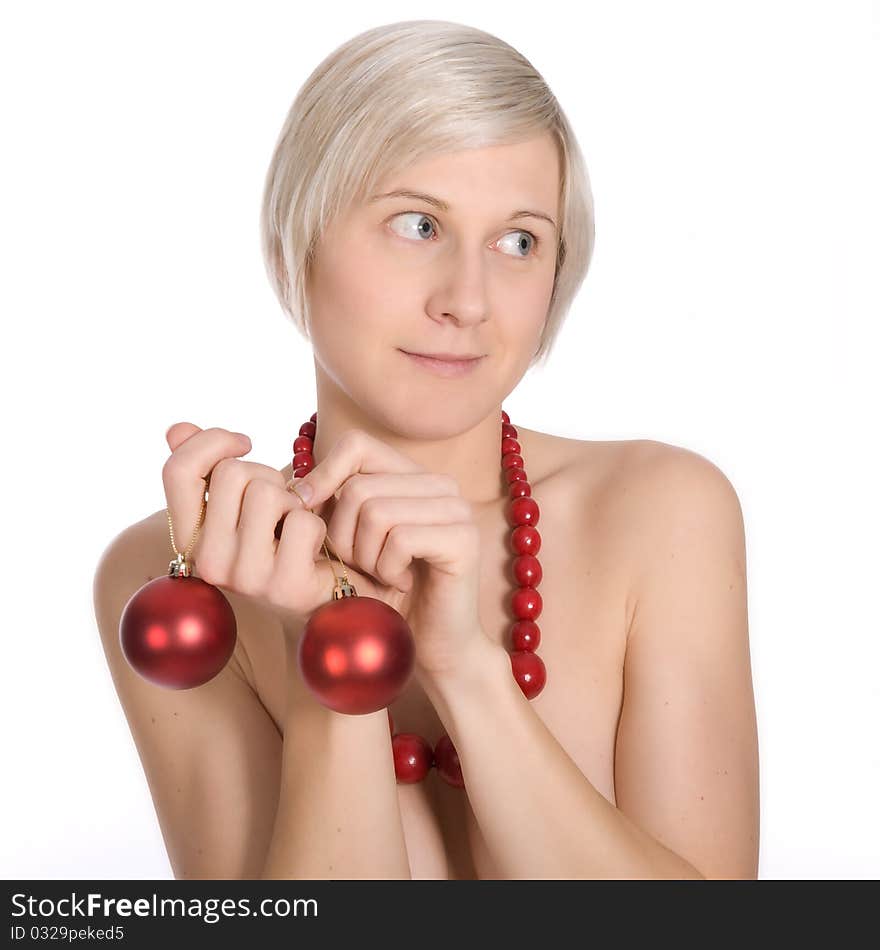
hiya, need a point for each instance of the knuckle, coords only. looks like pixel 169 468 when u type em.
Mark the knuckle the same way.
pixel 171 467
pixel 450 484
pixel 395 537
pixel 355 488
pixel 370 510
pixel 224 467
pixel 274 475
pixel 260 490
pixel 297 519
pixel 465 508
pixel 241 581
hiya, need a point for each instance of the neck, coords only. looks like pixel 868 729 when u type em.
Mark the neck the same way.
pixel 468 450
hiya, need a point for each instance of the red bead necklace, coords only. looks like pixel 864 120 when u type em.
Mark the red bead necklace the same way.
pixel 413 755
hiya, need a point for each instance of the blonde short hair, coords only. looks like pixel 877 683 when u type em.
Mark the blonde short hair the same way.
pixel 385 99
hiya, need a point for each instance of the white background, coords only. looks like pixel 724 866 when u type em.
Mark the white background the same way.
pixel 731 308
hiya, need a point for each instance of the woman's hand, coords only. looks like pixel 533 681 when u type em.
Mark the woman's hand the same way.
pixel 406 535
pixel 236 547
pixel 411 532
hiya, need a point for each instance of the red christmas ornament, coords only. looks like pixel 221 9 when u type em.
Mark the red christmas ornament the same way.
pixel 177 631
pixel 356 654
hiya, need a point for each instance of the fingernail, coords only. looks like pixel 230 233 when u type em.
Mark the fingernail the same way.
pixel 305 491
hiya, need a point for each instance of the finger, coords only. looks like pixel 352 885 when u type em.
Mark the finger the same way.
pixel 355 451
pixel 263 504
pixel 180 432
pixel 200 449
pixel 343 524
pixel 302 577
pixel 380 516
pixel 231 479
pixel 185 472
pixel 453 549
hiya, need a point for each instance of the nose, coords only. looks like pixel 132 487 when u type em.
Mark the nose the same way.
pixel 462 291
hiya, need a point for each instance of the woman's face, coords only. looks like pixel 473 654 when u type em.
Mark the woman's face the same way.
pixel 400 273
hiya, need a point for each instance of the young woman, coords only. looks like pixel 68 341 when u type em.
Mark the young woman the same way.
pixel 427 196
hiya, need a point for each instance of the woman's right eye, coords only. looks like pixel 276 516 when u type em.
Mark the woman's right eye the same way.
pixel 415 225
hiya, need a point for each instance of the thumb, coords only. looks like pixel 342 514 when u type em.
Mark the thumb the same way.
pixel 179 433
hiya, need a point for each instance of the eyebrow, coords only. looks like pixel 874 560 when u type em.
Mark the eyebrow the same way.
pixel 441 205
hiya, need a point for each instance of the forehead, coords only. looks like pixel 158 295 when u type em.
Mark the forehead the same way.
pixel 524 174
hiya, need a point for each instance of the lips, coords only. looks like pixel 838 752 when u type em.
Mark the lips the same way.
pixel 447 357
pixel 444 367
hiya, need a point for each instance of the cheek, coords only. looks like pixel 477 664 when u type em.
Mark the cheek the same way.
pixel 355 287
pixel 525 302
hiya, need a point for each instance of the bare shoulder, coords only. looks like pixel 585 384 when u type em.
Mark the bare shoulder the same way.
pixel 637 497
pixel 665 483
pixel 645 482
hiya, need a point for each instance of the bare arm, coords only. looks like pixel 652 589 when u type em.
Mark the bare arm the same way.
pixel 232 798
pixel 686 764
pixel 338 813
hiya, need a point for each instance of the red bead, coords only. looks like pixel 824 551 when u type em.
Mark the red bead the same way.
pixel 512 460
pixel 448 765
pixel 529 672
pixel 302 443
pixel 524 539
pixel 526 603
pixel 510 445
pixel 524 511
pixel 525 635
pixel 304 460
pixel 308 429
pixel 520 488
pixel 314 417
pixel 515 474
pixel 413 757
pixel 508 431
pixel 527 570
pixel 505 416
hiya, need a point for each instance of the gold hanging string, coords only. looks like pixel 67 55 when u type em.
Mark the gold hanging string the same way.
pixel 180 566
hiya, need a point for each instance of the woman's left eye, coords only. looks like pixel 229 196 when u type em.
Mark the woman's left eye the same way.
pixel 531 240
pixel 417 226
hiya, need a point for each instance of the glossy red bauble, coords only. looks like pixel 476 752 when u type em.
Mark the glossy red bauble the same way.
pixel 356 654
pixel 177 632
